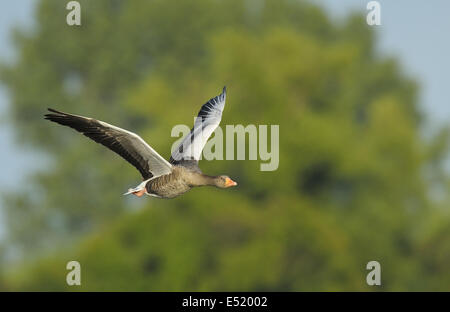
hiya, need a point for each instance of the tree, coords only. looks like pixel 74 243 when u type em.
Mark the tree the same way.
pixel 349 188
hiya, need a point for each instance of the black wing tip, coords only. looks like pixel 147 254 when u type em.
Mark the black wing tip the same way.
pixel 223 94
pixel 59 117
pixel 54 112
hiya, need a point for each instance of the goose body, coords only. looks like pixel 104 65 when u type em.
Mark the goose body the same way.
pixel 162 179
pixel 181 180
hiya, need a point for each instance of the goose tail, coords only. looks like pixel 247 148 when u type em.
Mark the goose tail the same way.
pixel 138 190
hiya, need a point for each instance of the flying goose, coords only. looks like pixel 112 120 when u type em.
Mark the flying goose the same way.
pixel 162 178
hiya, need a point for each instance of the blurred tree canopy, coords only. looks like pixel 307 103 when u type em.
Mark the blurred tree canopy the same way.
pixel 356 181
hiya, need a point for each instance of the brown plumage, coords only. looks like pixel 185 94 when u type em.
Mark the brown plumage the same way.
pixel 161 178
pixel 181 180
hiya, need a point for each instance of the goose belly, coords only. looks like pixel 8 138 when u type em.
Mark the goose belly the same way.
pixel 166 187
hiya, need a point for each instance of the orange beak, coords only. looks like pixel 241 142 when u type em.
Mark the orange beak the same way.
pixel 229 182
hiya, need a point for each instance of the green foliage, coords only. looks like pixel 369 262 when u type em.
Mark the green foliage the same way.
pixel 350 186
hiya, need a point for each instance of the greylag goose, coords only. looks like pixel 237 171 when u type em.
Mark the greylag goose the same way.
pixel 162 178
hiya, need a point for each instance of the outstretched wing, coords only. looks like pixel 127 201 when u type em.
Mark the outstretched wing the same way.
pixel 125 143
pixel 190 148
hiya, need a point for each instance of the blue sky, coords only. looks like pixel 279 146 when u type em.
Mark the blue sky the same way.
pixel 15 162
pixel 415 31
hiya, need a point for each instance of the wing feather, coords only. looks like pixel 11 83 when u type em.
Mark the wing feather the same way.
pixel 125 143
pixel 208 119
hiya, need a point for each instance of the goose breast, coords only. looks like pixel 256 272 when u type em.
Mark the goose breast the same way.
pixel 170 185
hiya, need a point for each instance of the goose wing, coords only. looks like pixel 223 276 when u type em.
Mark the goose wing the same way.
pixel 189 150
pixel 125 143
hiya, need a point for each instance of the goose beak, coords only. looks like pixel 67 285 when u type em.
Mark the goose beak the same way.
pixel 229 182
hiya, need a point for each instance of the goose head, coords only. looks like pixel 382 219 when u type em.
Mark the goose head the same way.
pixel 224 181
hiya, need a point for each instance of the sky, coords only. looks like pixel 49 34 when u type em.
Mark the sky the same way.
pixel 417 33
pixel 414 31
pixel 15 162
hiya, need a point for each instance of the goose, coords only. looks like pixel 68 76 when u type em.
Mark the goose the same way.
pixel 161 178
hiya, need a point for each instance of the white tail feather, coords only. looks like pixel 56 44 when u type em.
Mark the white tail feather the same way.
pixel 130 191
pixel 138 188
